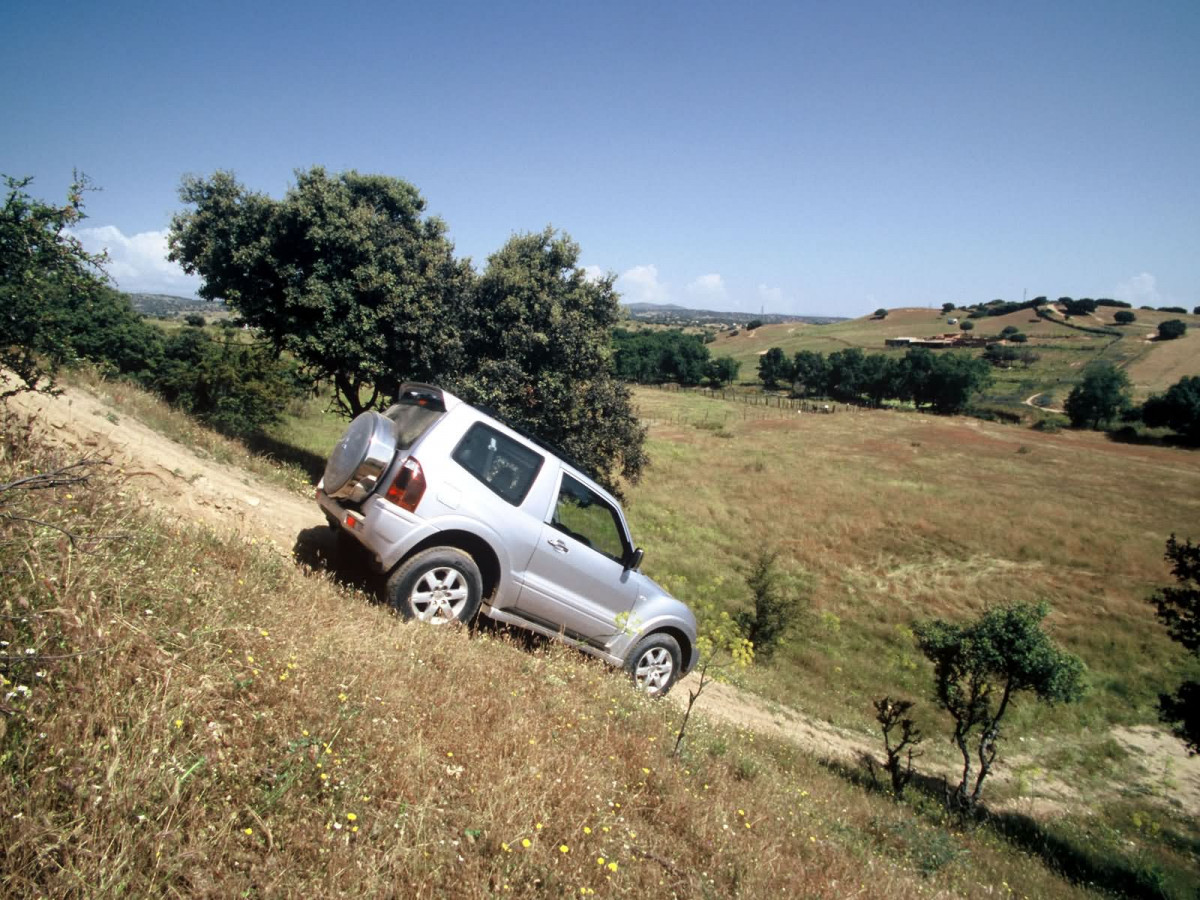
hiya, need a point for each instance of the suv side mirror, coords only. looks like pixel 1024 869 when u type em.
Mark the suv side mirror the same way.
pixel 635 559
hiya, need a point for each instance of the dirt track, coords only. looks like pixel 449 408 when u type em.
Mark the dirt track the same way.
pixel 185 483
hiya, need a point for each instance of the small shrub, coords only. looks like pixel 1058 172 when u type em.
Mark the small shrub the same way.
pixel 195 320
pixel 1124 317
pixel 966 325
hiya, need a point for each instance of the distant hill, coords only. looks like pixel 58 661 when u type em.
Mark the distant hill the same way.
pixel 171 306
pixel 672 314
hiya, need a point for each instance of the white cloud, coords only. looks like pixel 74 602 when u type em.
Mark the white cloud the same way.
pixel 641 285
pixel 138 262
pixel 708 287
pixel 1140 290
pixel 594 274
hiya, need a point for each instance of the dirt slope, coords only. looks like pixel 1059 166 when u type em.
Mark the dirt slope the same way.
pixel 184 483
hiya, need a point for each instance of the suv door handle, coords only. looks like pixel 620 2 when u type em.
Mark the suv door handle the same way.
pixel 558 545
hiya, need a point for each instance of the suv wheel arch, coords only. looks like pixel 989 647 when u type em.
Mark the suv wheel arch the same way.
pixel 471 544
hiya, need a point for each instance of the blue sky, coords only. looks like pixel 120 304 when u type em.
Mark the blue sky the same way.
pixel 819 158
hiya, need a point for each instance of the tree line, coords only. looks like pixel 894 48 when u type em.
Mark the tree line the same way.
pixel 656 357
pixel 942 382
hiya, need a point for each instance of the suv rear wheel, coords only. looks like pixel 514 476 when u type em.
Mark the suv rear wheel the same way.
pixel 437 586
pixel 655 663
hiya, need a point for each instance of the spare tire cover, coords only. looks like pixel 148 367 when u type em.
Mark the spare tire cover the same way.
pixel 365 441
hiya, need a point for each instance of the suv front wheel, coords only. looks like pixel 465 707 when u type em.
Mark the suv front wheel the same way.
pixel 655 663
pixel 438 585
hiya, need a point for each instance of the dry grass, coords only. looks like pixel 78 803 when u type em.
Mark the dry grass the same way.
pixel 189 715
pixel 894 517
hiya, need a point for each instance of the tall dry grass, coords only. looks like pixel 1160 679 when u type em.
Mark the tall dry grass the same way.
pixel 186 714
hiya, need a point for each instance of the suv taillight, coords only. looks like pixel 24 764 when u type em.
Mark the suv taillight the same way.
pixel 408 486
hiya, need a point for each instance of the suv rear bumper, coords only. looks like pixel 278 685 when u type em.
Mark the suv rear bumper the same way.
pixel 383 528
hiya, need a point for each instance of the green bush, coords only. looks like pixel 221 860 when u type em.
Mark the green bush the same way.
pixel 1124 317
pixel 236 388
pixel 1171 329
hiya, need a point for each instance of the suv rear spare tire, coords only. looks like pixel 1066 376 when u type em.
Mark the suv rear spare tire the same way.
pixel 438 585
pixel 360 458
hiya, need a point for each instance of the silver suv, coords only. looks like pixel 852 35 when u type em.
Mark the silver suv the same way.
pixel 466 514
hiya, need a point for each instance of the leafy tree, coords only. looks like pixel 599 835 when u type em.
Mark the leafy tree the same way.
pixel 652 357
pixel 234 387
pixel 1178 608
pixel 1009 331
pixel 1196 310
pixel 980 668
pixel 953 380
pixel 966 325
pixel 777 604
pixel 1018 337
pixel 948 307
pixel 773 368
pixel 848 375
pixel 880 378
pixel 1082 307
pixel 1124 317
pixel 537 348
pixel 195 320
pixel 343 272
pixel 1177 409
pixel 754 323
pixel 1171 329
pixel 881 313
pixel 722 370
pixel 42 266
pixel 1099 397
pixel 810 374
pixel 103 326
pixel 1173 309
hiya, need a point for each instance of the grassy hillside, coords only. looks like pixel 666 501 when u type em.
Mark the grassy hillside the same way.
pixel 1064 350
pixel 227 712
pixel 187 714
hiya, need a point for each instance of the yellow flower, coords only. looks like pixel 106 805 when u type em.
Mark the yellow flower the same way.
pixel 599 860
pixel 586 830
pixel 645 771
pixel 247 831
pixel 539 826
pixel 526 843
pixel 563 848
pixel 612 866
pixel 342 698
pixel 505 847
pixel 179 723
pixel 263 632
pixel 351 816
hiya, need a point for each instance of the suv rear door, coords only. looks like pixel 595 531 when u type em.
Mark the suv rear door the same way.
pixel 577 580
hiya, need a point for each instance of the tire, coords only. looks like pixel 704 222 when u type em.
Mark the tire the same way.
pixel 438 586
pixel 655 663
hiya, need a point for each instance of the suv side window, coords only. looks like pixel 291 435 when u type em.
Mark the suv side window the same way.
pixel 588 518
pixel 506 467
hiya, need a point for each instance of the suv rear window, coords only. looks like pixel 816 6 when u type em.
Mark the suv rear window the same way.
pixel 412 420
pixel 505 466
